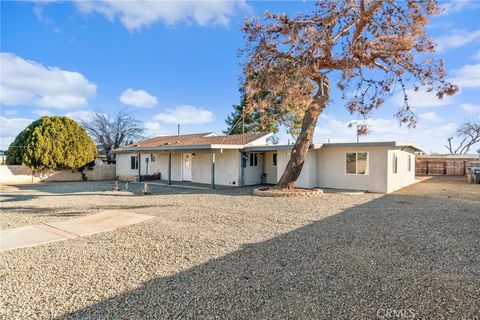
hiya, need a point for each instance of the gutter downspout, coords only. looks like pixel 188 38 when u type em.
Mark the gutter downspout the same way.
pixel 242 169
pixel 213 170
pixel 170 169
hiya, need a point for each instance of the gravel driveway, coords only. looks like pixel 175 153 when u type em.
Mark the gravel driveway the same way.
pixel 227 254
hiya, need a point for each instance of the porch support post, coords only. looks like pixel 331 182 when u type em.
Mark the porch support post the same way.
pixel 213 170
pixel 170 168
pixel 242 169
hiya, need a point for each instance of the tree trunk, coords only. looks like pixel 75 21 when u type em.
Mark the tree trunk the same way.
pixel 304 140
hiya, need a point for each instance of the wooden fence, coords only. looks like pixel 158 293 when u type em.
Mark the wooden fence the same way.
pixel 437 166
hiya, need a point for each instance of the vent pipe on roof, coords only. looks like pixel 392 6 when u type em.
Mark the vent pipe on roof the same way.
pixel 178 130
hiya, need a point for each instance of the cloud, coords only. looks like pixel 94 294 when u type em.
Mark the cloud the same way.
pixel 135 15
pixel 138 98
pixel 467 76
pixel 81 115
pixel 154 129
pixel 25 82
pixel 422 99
pixel 456 39
pixel 185 114
pixel 10 112
pixel 458 5
pixel 38 12
pixel 476 55
pixel 11 127
pixel 471 108
pixel 430 116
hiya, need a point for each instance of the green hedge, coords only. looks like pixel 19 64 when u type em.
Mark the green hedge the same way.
pixel 52 143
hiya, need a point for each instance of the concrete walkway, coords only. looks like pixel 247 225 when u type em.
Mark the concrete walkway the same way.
pixel 68 229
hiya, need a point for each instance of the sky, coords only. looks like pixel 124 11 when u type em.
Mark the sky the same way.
pixel 177 62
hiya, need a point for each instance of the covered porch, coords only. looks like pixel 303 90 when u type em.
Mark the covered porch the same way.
pixel 198 167
pixel 185 184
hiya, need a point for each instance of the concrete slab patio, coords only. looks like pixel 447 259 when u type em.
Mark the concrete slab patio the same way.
pixel 68 229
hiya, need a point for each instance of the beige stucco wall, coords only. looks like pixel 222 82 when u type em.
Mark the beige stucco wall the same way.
pixel 226 169
pixel 124 171
pixel 331 169
pixel 308 176
pixel 123 167
pixel 17 174
pixel 323 167
pixel 227 166
pixel 403 177
pixel 202 168
pixel 176 167
pixel 160 165
pixel 23 174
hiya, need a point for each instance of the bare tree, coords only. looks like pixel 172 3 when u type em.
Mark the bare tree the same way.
pixel 111 132
pixel 363 47
pixel 469 134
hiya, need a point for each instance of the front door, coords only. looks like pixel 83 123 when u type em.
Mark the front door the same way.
pixel 187 167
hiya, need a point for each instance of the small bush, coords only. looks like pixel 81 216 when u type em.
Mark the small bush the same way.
pixel 145 189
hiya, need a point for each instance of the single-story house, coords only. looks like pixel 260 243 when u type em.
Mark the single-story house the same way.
pixel 247 159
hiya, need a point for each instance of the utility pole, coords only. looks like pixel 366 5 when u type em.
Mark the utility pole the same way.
pixel 351 124
pixel 243 124
pixel 243 120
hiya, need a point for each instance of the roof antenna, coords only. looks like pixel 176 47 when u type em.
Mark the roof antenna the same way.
pixel 178 129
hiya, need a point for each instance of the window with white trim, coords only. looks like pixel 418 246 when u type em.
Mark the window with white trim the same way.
pixel 274 159
pixel 152 158
pixel 134 162
pixel 253 159
pixel 356 163
pixel 409 162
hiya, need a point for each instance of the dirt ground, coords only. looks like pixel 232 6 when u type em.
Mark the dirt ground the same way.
pixel 449 187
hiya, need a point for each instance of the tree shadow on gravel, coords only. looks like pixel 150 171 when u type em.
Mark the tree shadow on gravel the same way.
pixel 16 197
pixel 72 212
pixel 397 252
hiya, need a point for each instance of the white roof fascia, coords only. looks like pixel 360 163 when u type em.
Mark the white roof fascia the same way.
pixel 181 147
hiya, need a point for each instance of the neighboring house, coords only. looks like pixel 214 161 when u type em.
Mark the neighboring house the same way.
pixel 3 158
pixel 241 160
